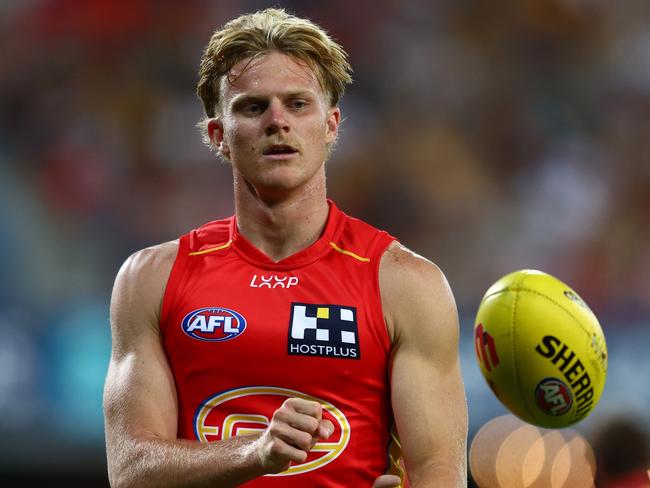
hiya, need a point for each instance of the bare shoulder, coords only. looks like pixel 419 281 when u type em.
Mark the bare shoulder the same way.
pixel 400 263
pixel 156 259
pixel 412 287
pixel 146 271
pixel 139 289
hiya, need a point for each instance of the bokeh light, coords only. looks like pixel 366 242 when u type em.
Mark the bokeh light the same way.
pixel 509 453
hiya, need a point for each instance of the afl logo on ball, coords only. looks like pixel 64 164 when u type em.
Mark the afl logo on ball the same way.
pixel 248 410
pixel 553 396
pixel 213 324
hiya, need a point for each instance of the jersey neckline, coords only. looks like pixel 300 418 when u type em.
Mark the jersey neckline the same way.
pixel 302 258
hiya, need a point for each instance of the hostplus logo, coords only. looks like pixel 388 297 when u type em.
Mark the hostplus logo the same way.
pixel 323 330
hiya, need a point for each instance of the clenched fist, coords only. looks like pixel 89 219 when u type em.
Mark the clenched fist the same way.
pixel 294 429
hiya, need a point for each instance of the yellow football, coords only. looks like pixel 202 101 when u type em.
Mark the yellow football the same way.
pixel 541 349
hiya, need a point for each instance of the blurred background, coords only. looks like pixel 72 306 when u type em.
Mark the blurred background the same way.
pixel 487 136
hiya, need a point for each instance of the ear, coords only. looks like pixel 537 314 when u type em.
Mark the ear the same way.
pixel 215 133
pixel 332 124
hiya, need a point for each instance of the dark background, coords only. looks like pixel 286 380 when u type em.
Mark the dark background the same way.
pixel 487 136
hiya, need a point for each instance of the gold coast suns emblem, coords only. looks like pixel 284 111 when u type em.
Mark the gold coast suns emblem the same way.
pixel 248 410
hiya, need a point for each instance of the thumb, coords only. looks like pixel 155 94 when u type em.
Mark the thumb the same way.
pixel 325 429
pixel 387 481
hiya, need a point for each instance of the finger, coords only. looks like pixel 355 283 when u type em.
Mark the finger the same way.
pixel 305 423
pixel 325 429
pixel 281 450
pixel 294 437
pixel 387 481
pixel 306 407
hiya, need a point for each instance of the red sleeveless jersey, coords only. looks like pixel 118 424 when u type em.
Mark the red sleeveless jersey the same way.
pixel 243 333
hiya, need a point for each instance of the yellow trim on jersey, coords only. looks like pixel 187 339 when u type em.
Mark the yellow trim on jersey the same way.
pixel 395 455
pixel 349 253
pixel 212 249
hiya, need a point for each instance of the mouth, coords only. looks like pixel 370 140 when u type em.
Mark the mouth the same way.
pixel 280 151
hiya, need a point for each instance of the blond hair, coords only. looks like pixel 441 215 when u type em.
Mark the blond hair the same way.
pixel 256 34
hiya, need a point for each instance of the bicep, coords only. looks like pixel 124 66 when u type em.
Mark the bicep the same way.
pixel 427 391
pixel 139 392
pixel 429 406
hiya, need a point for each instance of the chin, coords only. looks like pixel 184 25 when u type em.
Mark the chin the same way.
pixel 287 181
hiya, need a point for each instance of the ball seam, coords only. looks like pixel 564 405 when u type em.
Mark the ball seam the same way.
pixel 513 341
pixel 584 329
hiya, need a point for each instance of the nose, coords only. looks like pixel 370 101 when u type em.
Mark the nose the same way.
pixel 276 118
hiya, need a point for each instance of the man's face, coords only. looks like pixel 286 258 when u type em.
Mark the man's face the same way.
pixel 274 124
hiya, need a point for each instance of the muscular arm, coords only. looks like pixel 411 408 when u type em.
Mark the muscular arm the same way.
pixel 428 396
pixel 140 407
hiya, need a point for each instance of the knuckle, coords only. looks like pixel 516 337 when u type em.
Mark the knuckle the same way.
pixel 292 402
pixel 280 415
pixel 316 410
pixel 274 429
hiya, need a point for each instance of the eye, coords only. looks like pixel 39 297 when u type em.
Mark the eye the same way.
pixel 298 104
pixel 253 108
pixel 250 107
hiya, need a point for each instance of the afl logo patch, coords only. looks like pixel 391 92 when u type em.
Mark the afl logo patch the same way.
pixel 248 410
pixel 214 324
pixel 553 396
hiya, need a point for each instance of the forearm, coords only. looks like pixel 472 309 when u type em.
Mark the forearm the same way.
pixel 164 463
pixel 439 475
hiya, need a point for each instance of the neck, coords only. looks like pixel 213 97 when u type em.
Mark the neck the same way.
pixel 281 226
